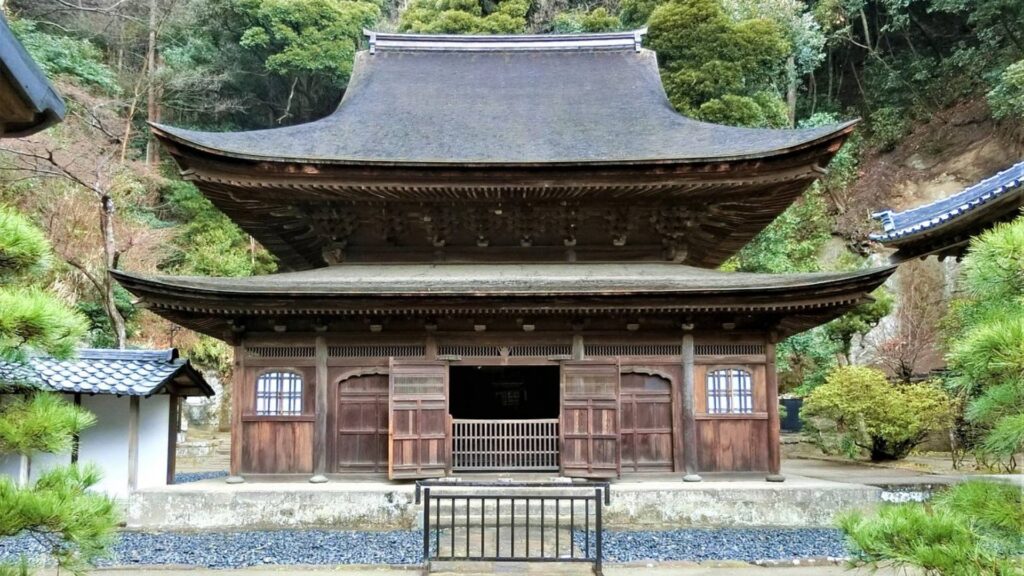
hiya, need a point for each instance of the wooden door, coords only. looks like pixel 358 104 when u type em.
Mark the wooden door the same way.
pixel 419 445
pixel 362 423
pixel 590 419
pixel 645 423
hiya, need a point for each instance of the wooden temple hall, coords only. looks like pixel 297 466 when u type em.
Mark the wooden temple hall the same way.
pixel 501 254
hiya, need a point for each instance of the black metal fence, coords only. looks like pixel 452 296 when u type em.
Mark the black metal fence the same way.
pixel 512 521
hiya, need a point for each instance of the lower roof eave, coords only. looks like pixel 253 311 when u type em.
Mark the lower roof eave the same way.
pixel 220 313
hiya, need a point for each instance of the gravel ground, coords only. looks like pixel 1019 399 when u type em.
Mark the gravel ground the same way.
pixel 241 549
pixel 746 544
pixel 186 477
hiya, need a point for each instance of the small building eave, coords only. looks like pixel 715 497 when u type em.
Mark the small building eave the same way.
pixel 28 102
pixel 113 372
pixel 944 227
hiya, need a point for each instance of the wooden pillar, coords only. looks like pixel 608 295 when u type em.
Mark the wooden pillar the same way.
pixel 320 431
pixel 772 397
pixel 173 424
pixel 578 350
pixel 237 396
pixel 76 440
pixel 133 443
pixel 689 413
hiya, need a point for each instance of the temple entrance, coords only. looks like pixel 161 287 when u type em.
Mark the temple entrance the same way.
pixel 504 418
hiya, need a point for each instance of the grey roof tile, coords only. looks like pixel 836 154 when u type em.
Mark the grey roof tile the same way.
pixel 99 371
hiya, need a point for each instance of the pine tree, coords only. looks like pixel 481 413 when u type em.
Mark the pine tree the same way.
pixel 74 525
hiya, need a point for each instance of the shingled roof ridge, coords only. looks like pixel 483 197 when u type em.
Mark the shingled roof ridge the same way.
pixel 166 355
pixel 389 41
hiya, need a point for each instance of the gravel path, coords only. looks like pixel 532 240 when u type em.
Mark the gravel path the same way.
pixel 315 547
pixel 186 477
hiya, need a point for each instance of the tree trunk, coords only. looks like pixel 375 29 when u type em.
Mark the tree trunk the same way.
pixel 153 102
pixel 23 470
pixel 110 260
pixel 791 90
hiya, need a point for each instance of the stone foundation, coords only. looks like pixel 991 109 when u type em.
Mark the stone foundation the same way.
pixel 215 505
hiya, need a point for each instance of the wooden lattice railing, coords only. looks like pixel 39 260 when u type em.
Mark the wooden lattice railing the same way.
pixel 479 445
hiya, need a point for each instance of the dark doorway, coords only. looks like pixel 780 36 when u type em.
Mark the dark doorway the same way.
pixel 504 392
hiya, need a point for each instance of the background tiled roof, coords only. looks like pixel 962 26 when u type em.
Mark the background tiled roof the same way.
pixel 119 372
pixel 899 225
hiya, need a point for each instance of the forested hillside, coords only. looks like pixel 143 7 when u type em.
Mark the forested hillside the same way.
pixel 939 85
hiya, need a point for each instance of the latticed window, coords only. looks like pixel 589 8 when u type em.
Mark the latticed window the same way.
pixel 730 391
pixel 279 394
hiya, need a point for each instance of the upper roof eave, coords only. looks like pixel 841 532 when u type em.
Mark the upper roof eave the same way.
pixel 835 132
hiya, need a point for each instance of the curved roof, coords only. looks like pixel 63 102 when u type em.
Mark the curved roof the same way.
pixel 503 100
pixel 945 226
pixel 36 105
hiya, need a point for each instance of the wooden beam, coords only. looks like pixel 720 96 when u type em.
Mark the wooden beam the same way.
pixel 133 443
pixel 772 397
pixel 322 408
pixel 689 418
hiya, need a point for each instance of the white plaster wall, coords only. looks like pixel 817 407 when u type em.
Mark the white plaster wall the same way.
pixel 106 443
pixel 154 414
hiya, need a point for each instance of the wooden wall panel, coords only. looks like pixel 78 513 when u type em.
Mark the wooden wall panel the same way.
pixel 732 445
pixel 645 423
pixel 271 447
pixel 276 445
pixel 361 418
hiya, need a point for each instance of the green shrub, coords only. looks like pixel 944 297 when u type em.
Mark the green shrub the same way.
pixel 973 529
pixel 1007 98
pixel 858 407
pixel 888 126
pixel 65 56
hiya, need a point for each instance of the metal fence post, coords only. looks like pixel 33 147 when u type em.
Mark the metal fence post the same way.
pixel 426 530
pixel 598 547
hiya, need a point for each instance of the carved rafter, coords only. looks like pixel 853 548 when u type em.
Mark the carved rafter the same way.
pixel 332 226
pixel 622 220
pixel 528 222
pixel 389 222
pixel 439 221
pixel 569 222
pixel 674 223
pixel 485 223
